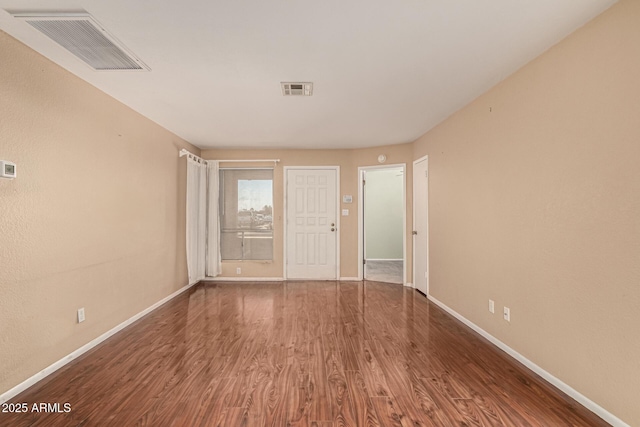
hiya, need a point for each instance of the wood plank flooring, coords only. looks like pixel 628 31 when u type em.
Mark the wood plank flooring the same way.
pixel 321 354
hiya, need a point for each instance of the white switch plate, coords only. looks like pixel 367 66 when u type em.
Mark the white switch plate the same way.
pixel 506 314
pixel 492 308
pixel 81 315
pixel 238 270
pixel 345 212
pixel 347 198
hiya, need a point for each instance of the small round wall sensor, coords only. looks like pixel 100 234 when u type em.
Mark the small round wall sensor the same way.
pixel 382 158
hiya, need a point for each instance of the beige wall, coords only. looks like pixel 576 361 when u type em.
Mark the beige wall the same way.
pixel 95 218
pixel 349 161
pixel 535 202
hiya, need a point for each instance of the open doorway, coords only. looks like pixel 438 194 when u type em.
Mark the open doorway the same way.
pixel 382 223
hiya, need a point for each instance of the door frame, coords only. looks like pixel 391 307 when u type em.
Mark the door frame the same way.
pixel 361 171
pixel 426 159
pixel 285 179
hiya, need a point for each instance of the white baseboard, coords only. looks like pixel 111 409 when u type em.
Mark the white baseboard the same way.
pixel 409 285
pixel 242 279
pixel 384 259
pixel 564 387
pixel 79 352
pixel 350 279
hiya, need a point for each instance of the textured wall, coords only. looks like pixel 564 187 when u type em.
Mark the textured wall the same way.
pixel 535 202
pixel 95 218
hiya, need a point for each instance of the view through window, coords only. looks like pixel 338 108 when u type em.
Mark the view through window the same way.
pixel 246 214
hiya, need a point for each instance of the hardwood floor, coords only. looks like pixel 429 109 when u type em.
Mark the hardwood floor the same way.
pixel 322 354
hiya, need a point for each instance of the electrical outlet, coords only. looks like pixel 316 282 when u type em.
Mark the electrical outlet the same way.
pixel 492 308
pixel 238 270
pixel 81 315
pixel 506 314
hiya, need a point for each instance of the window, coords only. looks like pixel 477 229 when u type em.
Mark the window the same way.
pixel 246 214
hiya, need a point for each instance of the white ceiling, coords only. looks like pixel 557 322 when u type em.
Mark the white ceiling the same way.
pixel 384 72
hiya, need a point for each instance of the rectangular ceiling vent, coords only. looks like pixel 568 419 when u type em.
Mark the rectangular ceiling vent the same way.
pixel 83 36
pixel 297 88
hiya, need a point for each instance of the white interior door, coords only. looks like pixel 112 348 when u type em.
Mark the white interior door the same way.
pixel 420 225
pixel 311 224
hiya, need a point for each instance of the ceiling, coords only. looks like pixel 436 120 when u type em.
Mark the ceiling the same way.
pixel 384 72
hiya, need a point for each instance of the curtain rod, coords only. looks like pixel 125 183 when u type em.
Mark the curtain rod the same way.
pixel 185 152
pixel 250 160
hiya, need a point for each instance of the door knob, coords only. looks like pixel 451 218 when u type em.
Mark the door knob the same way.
pixel 415 233
pixel 333 224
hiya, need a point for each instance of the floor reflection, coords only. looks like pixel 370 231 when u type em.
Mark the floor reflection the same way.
pixel 298 353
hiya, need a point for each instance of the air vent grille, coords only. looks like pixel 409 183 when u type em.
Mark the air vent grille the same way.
pixel 297 88
pixel 83 36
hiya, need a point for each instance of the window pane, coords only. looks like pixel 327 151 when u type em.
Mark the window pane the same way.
pixel 246 214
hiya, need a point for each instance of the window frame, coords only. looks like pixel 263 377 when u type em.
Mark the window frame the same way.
pixel 222 208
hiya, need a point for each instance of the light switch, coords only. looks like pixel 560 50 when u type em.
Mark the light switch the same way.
pixel 345 212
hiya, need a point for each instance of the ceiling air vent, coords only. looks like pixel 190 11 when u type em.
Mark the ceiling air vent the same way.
pixel 83 36
pixel 297 88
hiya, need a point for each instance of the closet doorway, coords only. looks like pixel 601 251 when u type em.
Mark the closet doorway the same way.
pixel 382 223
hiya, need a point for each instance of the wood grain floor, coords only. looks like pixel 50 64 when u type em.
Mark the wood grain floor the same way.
pixel 322 354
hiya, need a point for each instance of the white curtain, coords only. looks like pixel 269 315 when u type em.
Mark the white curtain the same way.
pixel 213 259
pixel 196 218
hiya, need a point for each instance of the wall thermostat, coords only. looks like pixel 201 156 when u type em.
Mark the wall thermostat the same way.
pixel 7 169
